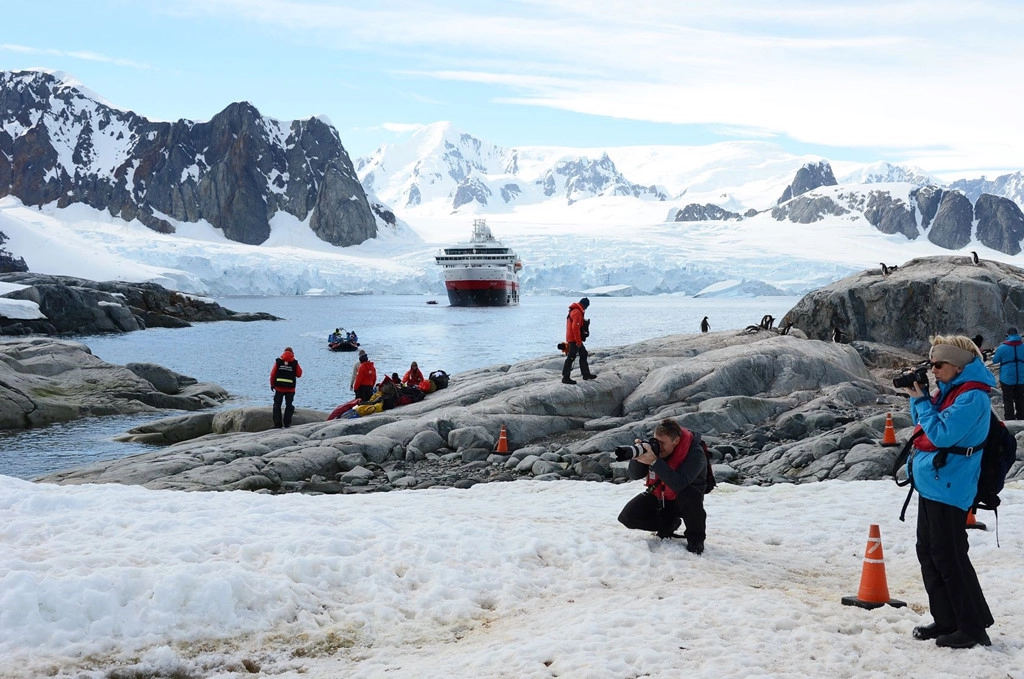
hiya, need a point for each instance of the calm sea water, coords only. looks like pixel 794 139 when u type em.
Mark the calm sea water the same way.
pixel 394 330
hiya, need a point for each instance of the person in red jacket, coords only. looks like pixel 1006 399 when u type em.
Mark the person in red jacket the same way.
pixel 283 377
pixel 413 376
pixel 366 378
pixel 574 337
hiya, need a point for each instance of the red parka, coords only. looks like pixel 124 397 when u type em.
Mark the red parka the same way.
pixel 573 323
pixel 366 376
pixel 285 373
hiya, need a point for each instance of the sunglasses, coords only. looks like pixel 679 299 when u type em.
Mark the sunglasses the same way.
pixel 938 364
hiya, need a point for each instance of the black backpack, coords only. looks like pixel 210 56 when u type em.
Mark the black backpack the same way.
pixel 439 378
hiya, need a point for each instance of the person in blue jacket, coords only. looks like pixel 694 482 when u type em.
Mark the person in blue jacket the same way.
pixel 945 466
pixel 1009 356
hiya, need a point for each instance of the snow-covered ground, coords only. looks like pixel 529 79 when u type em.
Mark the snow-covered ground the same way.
pixel 523 579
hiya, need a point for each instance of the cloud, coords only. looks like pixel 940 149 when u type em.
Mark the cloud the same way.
pixel 934 80
pixel 83 55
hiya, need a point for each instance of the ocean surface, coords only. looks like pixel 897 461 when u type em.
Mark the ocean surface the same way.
pixel 394 330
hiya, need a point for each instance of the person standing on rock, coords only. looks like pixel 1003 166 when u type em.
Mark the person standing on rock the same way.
pixel 945 463
pixel 1009 356
pixel 575 334
pixel 366 378
pixel 283 378
pixel 676 477
pixel 355 369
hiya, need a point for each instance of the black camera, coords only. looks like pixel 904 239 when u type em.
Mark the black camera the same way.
pixel 629 452
pixel 910 376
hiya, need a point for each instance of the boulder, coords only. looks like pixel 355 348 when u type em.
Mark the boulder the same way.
pixel 43 381
pixel 923 297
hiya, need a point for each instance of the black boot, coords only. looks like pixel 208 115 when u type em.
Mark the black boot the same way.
pixel 567 380
pixel 932 631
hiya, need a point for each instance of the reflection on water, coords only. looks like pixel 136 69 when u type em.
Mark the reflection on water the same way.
pixel 394 330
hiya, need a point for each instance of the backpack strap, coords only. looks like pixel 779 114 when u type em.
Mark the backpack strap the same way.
pixel 904 458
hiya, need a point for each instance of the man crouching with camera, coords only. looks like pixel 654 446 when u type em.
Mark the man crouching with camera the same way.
pixel 675 468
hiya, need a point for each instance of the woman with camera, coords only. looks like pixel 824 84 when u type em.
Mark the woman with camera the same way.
pixel 675 468
pixel 945 465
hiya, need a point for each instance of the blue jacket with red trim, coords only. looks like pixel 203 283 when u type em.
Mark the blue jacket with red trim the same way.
pixel 1010 357
pixel 962 423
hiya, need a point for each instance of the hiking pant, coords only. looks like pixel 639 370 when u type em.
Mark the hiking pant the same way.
pixel 289 409
pixel 954 593
pixel 1013 401
pixel 645 512
pixel 365 392
pixel 573 350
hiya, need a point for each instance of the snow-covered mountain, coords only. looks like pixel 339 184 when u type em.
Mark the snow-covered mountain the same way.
pixel 62 144
pixel 701 220
pixel 447 170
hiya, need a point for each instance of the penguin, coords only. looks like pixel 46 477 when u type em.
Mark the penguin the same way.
pixel 885 269
pixel 784 330
pixel 704 325
pixel 974 257
pixel 837 335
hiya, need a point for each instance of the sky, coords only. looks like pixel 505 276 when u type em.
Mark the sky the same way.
pixel 524 580
pixel 932 84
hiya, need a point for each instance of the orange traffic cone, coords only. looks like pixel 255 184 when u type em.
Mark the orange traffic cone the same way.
pixel 973 522
pixel 873 592
pixel 889 436
pixel 502 442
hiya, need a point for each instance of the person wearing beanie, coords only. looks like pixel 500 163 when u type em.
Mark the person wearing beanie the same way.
pixel 952 420
pixel 366 378
pixel 1009 356
pixel 283 378
pixel 577 329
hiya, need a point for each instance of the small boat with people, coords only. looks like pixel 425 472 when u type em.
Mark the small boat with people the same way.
pixel 339 340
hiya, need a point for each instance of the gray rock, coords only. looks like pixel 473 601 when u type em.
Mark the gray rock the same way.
pixel 951 228
pixel 526 465
pixel 1000 223
pixel 911 304
pixel 808 178
pixel 356 474
pixel 43 381
pixel 470 437
pixel 541 467
pixel 427 441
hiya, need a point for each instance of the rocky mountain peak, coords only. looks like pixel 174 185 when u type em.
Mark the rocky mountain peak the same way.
pixel 235 171
pixel 808 178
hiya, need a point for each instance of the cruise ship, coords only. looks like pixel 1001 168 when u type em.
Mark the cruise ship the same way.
pixel 482 272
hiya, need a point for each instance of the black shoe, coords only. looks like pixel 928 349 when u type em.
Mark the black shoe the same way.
pixel 590 377
pixel 695 547
pixel 670 531
pixel 960 639
pixel 568 380
pixel 932 631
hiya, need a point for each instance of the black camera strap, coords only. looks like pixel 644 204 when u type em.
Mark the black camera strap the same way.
pixel 905 458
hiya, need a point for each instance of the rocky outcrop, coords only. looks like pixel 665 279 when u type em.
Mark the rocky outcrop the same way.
pixel 78 306
pixel 891 215
pixel 927 199
pixel 236 171
pixel 923 297
pixel 1000 223
pixel 773 408
pixel 9 262
pixel 808 178
pixel 954 219
pixel 694 212
pixel 43 381
pixel 808 209
pixel 726 385
pixel 584 177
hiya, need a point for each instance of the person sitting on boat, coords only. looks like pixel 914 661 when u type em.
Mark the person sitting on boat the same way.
pixel 351 337
pixel 413 376
pixel 334 336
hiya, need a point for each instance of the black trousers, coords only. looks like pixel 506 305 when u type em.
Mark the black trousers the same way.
pixel 573 350
pixel 954 593
pixel 365 392
pixel 645 512
pixel 1013 401
pixel 289 409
